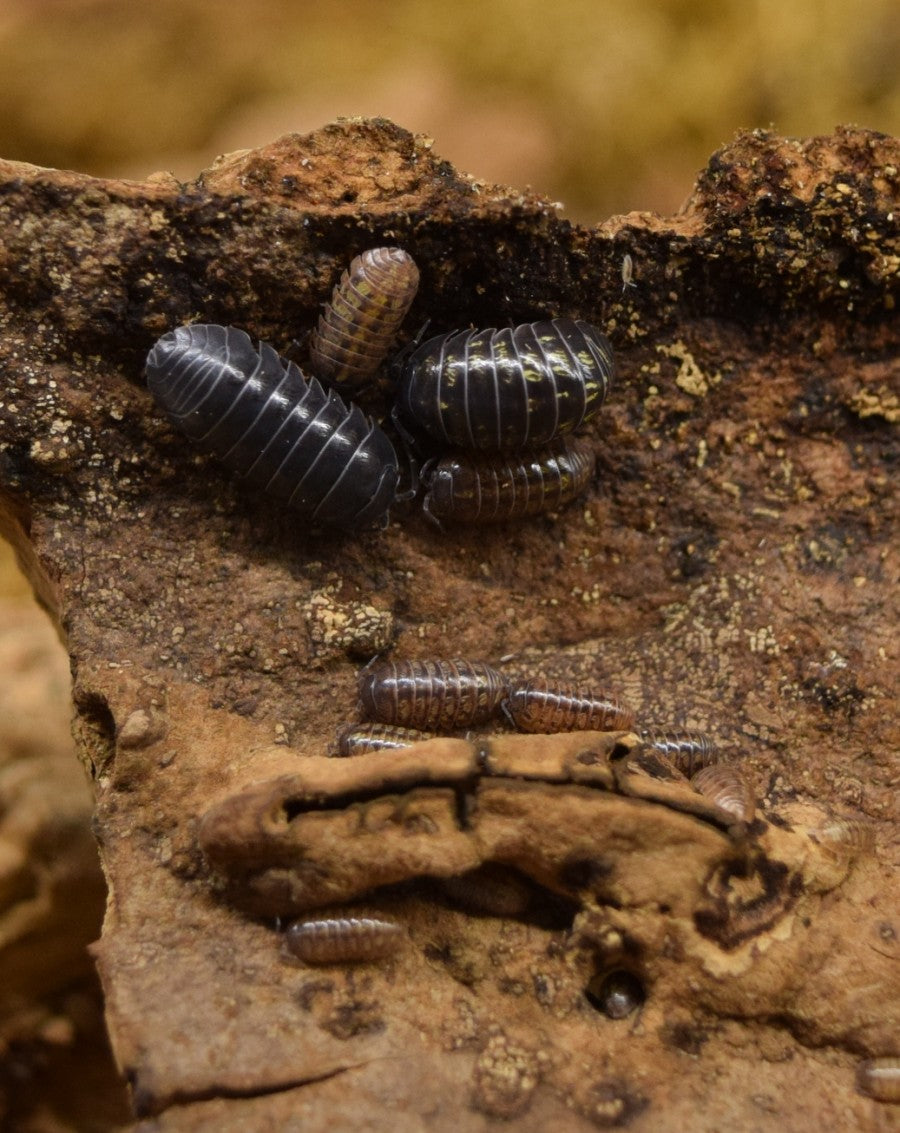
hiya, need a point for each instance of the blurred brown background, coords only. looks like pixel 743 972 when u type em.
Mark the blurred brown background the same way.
pixel 606 105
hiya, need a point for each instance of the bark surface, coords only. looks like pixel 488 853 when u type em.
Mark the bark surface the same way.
pixel 732 568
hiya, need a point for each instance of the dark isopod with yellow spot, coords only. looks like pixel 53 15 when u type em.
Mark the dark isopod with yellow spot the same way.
pixel 540 706
pixel 281 433
pixel 363 739
pixel 482 489
pixel 431 695
pixel 343 940
pixel 687 751
pixel 505 390
pixel 358 327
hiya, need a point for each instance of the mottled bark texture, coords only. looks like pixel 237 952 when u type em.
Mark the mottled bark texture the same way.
pixel 730 568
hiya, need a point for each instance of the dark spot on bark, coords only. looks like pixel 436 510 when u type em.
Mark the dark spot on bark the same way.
pixel 580 874
pixel 686 1037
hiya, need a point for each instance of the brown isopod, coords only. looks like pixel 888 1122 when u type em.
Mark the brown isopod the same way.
pixel 343 940
pixel 481 489
pixel 724 785
pixel 431 695
pixel 688 751
pixel 361 739
pixel 359 325
pixel 538 706
pixel 879 1078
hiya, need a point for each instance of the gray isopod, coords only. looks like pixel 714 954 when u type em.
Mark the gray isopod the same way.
pixel 281 433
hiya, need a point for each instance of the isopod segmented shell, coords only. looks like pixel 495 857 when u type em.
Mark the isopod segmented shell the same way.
pixel 847 837
pixel 359 325
pixel 505 390
pixel 471 488
pixel 539 706
pixel 362 739
pixel 688 751
pixel 879 1078
pixel 724 785
pixel 277 430
pixel 431 695
pixel 343 940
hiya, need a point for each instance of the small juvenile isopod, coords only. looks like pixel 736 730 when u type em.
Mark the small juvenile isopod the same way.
pixel 627 273
pixel 724 785
pixel 688 751
pixel 277 430
pixel 361 739
pixel 343 940
pixel 359 325
pixel 504 390
pixel 879 1078
pixel 470 488
pixel 431 695
pixel 538 706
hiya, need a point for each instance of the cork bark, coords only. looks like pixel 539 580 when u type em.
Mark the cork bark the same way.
pixel 730 569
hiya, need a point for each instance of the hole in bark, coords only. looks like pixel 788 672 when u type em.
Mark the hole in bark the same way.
pixel 95 727
pixel 617 993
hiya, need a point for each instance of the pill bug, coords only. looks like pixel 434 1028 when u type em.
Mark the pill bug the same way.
pixel 469 488
pixel 724 785
pixel 879 1078
pixel 688 751
pixel 358 327
pixel 539 706
pixel 504 390
pixel 492 889
pixel 431 695
pixel 342 940
pixel 278 431
pixel 847 836
pixel 362 739
pixel 616 993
